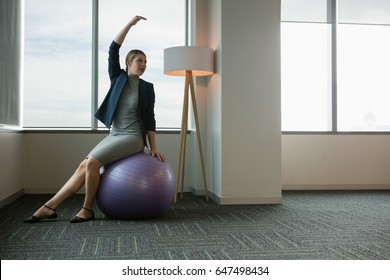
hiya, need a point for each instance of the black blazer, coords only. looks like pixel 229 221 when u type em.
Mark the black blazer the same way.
pixel 146 95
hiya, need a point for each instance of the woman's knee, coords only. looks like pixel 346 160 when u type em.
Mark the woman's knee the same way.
pixel 92 164
pixel 82 166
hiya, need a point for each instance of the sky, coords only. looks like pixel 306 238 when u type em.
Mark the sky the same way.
pixel 58 63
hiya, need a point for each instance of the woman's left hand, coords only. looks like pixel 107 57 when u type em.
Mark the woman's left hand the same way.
pixel 157 154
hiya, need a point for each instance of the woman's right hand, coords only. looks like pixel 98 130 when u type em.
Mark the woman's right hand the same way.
pixel 136 19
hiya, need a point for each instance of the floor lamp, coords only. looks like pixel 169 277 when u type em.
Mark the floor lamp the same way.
pixel 189 61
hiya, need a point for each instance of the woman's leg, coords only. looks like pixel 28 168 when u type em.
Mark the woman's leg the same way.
pixel 73 185
pixel 92 181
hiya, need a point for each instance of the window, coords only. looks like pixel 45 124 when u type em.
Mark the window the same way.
pixel 58 57
pixel 159 31
pixel 335 70
pixel 363 65
pixel 57 64
pixel 306 76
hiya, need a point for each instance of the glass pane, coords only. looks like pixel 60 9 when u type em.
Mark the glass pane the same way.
pixel 364 11
pixel 305 10
pixel 57 73
pixel 363 78
pixel 306 77
pixel 164 27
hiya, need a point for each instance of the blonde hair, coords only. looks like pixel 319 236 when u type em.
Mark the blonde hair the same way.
pixel 131 54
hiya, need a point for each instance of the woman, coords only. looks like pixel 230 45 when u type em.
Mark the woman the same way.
pixel 129 110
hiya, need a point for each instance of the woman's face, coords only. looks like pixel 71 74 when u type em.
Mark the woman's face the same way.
pixel 137 66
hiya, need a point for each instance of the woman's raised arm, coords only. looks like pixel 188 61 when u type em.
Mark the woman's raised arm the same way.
pixel 122 34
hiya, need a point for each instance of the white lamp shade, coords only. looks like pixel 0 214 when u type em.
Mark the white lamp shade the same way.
pixel 199 60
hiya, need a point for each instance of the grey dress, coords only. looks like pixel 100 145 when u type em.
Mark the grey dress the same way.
pixel 125 137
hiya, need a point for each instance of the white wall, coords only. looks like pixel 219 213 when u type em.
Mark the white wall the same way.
pixel 199 37
pixel 245 103
pixel 41 162
pixel 51 158
pixel 11 166
pixel 336 161
pixel 214 101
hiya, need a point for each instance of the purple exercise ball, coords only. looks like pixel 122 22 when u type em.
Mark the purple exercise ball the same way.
pixel 137 187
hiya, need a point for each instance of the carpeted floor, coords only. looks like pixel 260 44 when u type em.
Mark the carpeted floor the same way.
pixel 315 225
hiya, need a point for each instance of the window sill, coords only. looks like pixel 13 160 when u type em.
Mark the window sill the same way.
pixel 63 130
pixel 335 132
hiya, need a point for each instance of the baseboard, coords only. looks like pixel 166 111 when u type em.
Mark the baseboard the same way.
pixel 237 200
pixel 246 200
pixel 194 191
pixel 11 198
pixel 307 187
